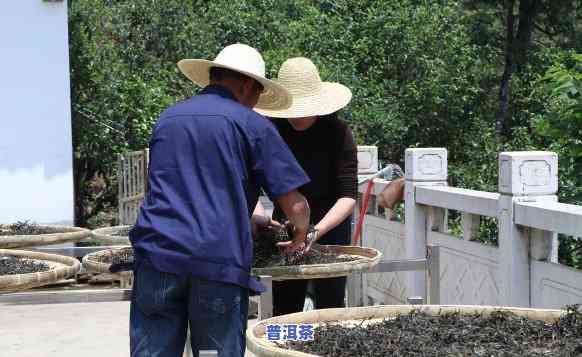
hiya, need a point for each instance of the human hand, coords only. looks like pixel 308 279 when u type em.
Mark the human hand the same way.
pixel 262 222
pixel 296 243
pixel 296 248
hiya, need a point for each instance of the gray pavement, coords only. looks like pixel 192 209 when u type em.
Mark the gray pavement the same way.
pixel 70 330
pixel 65 330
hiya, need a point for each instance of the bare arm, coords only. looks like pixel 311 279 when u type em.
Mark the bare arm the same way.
pixel 296 209
pixel 341 210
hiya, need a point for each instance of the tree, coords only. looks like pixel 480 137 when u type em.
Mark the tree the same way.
pixel 422 73
pixel 517 44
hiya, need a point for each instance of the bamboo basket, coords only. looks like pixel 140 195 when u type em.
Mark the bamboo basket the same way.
pixel 92 263
pixel 67 235
pixel 106 235
pixel 366 259
pixel 261 347
pixel 61 267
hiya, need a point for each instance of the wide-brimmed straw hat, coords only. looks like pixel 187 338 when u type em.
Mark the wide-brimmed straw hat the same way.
pixel 243 59
pixel 311 96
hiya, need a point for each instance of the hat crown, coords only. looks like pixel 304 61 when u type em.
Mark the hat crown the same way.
pixel 243 58
pixel 299 76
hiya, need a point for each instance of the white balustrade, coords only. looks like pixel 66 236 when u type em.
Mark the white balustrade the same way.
pixel 520 271
pixel 423 167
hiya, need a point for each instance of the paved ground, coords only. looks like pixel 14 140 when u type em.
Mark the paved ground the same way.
pixel 69 330
pixel 65 330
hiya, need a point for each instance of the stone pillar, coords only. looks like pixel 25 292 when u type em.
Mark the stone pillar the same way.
pixel 423 167
pixel 471 223
pixel 367 166
pixel 523 176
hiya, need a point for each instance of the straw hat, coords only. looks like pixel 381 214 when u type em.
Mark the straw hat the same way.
pixel 243 59
pixel 311 96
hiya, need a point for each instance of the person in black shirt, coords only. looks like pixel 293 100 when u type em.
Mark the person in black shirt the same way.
pixel 324 147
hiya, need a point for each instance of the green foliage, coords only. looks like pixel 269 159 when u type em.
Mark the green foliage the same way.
pixel 423 74
pixel 413 70
pixel 561 123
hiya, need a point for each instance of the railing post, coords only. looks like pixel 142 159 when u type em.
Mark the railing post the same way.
pixel 146 168
pixel 367 165
pixel 470 224
pixel 528 175
pixel 424 167
pixel 120 187
pixel 266 298
pixel 433 270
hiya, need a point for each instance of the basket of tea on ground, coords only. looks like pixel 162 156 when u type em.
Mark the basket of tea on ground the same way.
pixel 117 235
pixel 321 262
pixel 118 261
pixel 26 234
pixel 427 331
pixel 109 260
pixel 20 270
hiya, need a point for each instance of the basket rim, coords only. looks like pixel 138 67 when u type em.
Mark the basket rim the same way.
pixel 92 265
pixel 103 230
pixel 104 235
pixel 326 270
pixel 258 345
pixel 69 234
pixel 15 282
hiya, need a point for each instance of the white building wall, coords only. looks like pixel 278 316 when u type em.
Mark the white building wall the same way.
pixel 36 177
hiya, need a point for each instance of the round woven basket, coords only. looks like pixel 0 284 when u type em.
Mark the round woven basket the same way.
pixel 65 234
pixel 92 262
pixel 366 258
pixel 61 267
pixel 261 347
pixel 107 235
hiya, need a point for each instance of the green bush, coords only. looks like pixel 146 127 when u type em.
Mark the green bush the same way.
pixel 423 74
pixel 412 68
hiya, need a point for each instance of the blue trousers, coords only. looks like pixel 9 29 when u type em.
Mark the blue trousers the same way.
pixel 163 305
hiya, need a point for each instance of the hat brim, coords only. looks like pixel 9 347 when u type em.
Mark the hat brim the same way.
pixel 273 97
pixel 329 99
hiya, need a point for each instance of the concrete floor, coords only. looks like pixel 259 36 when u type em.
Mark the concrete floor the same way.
pixel 66 330
pixel 69 330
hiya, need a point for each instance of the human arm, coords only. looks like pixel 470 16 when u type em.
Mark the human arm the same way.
pixel 297 211
pixel 342 209
pixel 345 179
pixel 280 175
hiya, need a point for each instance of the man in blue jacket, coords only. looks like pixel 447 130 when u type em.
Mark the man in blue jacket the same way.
pixel 210 155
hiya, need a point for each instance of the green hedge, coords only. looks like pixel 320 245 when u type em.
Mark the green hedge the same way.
pixel 423 73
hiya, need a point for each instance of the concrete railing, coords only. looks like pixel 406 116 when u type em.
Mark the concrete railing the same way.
pixel 529 219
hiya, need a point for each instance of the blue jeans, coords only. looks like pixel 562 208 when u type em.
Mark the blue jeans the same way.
pixel 163 304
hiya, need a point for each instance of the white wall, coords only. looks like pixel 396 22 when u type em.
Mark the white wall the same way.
pixel 36 179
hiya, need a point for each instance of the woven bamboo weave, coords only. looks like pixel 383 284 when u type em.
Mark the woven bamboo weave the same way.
pixel 107 235
pixel 261 347
pixel 66 235
pixel 365 259
pixel 61 267
pixel 93 262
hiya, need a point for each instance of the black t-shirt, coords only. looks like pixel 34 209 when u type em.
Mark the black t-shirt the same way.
pixel 327 153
